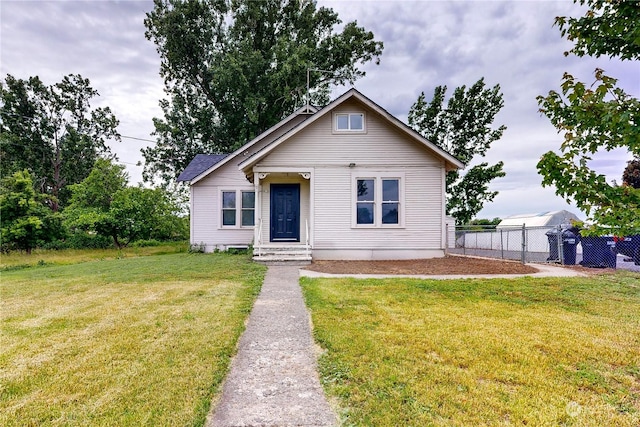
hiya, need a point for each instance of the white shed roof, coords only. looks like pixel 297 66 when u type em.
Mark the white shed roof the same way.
pixel 542 219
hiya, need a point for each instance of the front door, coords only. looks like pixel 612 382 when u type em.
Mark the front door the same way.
pixel 285 212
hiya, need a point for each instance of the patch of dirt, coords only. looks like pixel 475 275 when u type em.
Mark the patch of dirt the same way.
pixel 433 266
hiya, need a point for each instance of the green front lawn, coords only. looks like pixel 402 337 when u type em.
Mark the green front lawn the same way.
pixel 130 341
pixel 480 352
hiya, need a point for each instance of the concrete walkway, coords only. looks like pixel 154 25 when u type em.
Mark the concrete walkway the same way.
pixel 273 379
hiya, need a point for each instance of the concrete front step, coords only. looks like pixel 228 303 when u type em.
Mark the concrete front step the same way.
pixel 270 254
pixel 279 260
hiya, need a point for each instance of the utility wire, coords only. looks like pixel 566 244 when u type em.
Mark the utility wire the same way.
pixel 6 113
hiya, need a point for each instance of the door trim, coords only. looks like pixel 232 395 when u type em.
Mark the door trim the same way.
pixel 296 231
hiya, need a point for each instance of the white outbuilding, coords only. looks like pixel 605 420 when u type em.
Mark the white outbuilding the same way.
pixel 543 219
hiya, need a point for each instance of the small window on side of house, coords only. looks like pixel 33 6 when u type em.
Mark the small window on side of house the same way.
pixel 228 208
pixel 248 208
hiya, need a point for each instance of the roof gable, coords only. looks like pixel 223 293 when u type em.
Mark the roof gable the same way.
pixel 450 161
pixel 306 110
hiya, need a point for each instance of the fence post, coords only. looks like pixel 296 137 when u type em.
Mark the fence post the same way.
pixel 464 243
pixel 560 245
pixel 446 239
pixel 524 242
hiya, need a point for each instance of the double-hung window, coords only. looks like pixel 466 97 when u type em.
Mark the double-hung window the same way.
pixel 228 208
pixel 378 201
pixel 390 200
pixel 238 207
pixel 366 202
pixel 248 208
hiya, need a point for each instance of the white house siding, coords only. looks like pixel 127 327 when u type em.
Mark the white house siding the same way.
pixel 205 210
pixel 205 199
pixel 380 149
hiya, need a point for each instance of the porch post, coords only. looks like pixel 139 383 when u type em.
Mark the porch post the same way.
pixel 257 210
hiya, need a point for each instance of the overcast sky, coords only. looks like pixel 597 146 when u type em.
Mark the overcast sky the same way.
pixel 427 43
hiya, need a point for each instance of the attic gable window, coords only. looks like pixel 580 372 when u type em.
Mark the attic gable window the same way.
pixel 349 122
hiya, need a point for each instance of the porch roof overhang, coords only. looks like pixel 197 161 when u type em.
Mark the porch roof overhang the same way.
pixel 451 162
pixel 262 172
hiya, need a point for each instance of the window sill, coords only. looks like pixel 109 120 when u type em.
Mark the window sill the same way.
pixel 349 132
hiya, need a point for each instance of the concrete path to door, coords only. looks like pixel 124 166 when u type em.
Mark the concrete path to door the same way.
pixel 273 379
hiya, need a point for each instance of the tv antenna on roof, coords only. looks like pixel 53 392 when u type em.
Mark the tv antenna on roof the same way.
pixel 309 70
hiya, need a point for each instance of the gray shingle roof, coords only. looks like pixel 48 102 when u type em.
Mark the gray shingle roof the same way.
pixel 199 164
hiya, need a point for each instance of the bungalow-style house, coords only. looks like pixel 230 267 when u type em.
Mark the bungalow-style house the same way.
pixel 347 181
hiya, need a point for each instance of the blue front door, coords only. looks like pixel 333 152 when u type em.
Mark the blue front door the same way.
pixel 285 212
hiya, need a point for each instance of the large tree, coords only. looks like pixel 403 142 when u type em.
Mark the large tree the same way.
pixel 234 68
pixel 595 117
pixel 53 132
pixel 463 128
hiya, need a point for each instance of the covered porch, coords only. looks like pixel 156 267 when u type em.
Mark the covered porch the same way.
pixel 283 214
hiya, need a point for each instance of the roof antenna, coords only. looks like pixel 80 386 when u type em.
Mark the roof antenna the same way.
pixel 308 88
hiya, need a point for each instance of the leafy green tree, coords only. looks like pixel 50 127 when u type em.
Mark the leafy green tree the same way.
pixel 53 132
pixel 609 27
pixel 24 219
pixel 91 199
pixel 489 223
pixel 595 117
pixel 140 213
pixel 463 128
pixel 97 189
pixel 486 224
pixel 234 68
pixel 102 203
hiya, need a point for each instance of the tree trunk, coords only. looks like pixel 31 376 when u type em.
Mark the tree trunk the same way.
pixel 56 185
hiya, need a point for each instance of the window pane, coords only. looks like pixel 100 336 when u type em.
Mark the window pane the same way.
pixel 228 217
pixel 342 121
pixel 248 200
pixel 356 121
pixel 228 200
pixel 247 217
pixel 390 213
pixel 365 213
pixel 366 190
pixel 390 190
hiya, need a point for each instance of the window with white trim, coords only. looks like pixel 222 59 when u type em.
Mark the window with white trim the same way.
pixel 248 208
pixel 238 207
pixel 228 208
pixel 349 122
pixel 365 204
pixel 378 201
pixel 390 201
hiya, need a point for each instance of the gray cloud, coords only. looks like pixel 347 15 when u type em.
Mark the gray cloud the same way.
pixel 427 43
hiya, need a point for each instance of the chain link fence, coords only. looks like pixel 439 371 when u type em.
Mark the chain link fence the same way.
pixel 557 244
